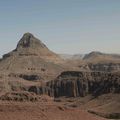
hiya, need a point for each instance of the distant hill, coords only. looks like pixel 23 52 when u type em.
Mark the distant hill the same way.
pixel 101 57
pixel 71 57
pixel 92 56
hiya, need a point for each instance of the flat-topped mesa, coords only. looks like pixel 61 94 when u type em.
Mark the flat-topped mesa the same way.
pixel 29 41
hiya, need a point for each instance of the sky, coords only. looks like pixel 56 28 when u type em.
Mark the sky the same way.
pixel 65 26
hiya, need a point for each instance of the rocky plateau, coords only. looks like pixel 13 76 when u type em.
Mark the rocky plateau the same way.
pixel 41 84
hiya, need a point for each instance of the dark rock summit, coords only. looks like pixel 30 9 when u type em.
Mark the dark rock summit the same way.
pixel 32 46
pixel 28 40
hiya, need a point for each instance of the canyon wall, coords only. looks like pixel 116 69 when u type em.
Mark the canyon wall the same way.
pixel 75 84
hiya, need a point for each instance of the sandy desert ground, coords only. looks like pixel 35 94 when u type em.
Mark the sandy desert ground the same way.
pixel 42 111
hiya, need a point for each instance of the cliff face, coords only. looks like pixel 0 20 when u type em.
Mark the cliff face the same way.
pixel 75 84
pixel 107 67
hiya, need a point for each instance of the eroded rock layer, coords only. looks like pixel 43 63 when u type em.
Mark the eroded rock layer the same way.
pixel 75 84
pixel 31 60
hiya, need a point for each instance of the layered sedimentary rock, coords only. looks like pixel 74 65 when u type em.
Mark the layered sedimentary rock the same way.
pixel 31 60
pixel 75 84
pixel 31 46
pixel 32 63
pixel 98 61
pixel 19 96
pixel 107 67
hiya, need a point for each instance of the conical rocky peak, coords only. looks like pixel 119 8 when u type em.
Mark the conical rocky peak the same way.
pixel 29 41
pixel 32 48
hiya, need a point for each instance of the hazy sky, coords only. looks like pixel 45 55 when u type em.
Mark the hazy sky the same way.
pixel 65 26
